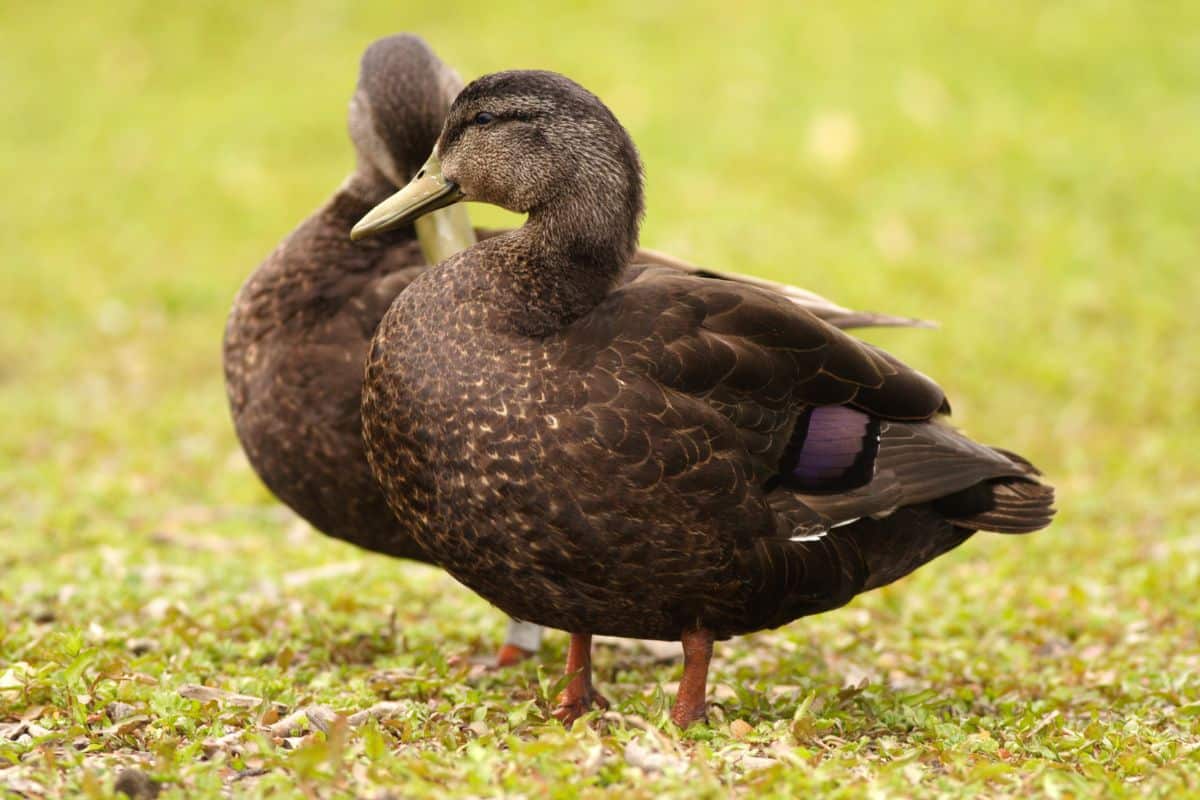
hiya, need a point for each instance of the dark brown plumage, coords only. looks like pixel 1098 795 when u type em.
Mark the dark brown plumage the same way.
pixel 297 337
pixel 656 457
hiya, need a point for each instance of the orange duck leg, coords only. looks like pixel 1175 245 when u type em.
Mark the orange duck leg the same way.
pixel 691 702
pixel 580 695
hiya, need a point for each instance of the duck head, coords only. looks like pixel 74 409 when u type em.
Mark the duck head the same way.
pixel 403 94
pixel 533 142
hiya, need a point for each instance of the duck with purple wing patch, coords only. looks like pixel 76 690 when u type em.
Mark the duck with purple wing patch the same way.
pixel 655 454
pixel 297 336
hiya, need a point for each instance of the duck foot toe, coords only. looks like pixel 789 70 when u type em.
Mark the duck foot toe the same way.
pixel 572 708
pixel 685 716
pixel 511 655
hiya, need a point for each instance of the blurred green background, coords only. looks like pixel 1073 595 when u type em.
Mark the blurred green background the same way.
pixel 1027 174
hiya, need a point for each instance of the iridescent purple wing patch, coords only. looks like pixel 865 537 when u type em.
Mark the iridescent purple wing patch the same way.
pixel 832 449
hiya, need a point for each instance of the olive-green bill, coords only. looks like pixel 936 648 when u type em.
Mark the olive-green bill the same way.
pixel 444 233
pixel 426 192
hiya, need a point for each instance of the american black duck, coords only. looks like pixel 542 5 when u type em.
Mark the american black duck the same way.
pixel 297 336
pixel 296 339
pixel 665 457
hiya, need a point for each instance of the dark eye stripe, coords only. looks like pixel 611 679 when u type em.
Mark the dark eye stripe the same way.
pixel 489 118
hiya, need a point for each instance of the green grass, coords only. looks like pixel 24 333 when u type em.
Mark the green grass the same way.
pixel 1027 174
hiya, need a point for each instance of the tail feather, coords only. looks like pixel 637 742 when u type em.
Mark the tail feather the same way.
pixel 1019 459
pixel 1010 506
pixel 969 484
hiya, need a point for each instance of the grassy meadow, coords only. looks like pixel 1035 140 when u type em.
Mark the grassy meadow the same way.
pixel 1026 174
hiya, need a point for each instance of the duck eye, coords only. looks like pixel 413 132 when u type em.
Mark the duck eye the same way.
pixel 483 118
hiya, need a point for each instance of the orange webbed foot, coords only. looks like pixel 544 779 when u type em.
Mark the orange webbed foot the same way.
pixel 571 708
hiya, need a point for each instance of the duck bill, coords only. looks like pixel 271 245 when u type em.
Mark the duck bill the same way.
pixel 427 191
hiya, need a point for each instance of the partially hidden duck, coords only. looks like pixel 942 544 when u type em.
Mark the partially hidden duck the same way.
pixel 297 336
pixel 605 447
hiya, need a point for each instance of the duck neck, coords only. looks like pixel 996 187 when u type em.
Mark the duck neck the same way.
pixel 366 186
pixel 570 255
pixel 321 250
